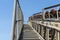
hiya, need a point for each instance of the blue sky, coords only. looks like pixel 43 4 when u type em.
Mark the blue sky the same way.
pixel 28 7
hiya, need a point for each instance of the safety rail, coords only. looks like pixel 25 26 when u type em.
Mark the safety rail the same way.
pixel 51 24
pixel 48 29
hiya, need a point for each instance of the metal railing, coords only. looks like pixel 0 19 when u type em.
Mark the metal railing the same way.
pixel 48 8
pixel 49 30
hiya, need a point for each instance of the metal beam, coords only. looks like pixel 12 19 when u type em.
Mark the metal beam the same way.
pixel 51 6
pixel 13 19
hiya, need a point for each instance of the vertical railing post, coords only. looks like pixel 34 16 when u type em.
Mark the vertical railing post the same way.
pixel 42 30
pixel 34 26
pixel 57 15
pixel 47 34
pixel 49 15
pixel 38 28
pixel 57 35
pixel 43 14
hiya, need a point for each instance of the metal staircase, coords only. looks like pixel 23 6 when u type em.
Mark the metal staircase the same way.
pixel 42 29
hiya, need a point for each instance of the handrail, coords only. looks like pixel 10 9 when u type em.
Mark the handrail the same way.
pixel 50 20
pixel 44 28
pixel 53 27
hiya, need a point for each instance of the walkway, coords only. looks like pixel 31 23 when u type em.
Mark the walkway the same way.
pixel 29 33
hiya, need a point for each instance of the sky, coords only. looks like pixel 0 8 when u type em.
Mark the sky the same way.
pixel 29 7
